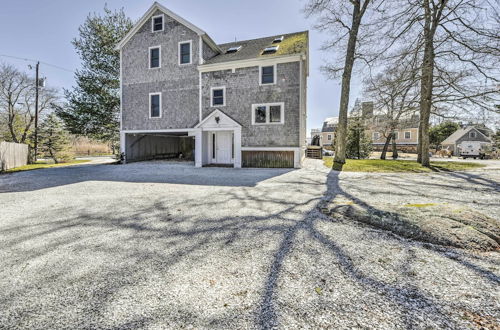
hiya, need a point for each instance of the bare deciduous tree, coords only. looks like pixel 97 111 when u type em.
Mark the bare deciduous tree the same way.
pixel 395 95
pixel 343 21
pixel 17 102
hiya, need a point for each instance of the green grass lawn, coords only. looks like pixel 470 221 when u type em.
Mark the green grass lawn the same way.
pixel 44 164
pixel 378 165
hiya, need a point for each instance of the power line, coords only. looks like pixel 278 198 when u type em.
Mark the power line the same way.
pixel 31 60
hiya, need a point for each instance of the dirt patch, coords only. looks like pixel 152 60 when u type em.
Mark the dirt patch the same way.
pixel 445 225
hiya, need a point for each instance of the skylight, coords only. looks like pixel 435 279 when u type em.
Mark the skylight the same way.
pixel 278 40
pixel 270 49
pixel 233 49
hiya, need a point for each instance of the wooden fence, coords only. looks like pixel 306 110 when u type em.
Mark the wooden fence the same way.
pixel 283 159
pixel 13 155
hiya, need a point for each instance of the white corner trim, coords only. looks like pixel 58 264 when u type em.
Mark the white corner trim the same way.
pixel 190 42
pixel 149 109
pixel 275 78
pixel 212 105
pixel 200 97
pixel 200 51
pixel 268 116
pixel 162 23
pixel 266 61
pixel 149 57
pixel 121 92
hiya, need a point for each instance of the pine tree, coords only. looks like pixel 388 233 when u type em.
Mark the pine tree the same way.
pixel 359 145
pixel 94 104
pixel 54 140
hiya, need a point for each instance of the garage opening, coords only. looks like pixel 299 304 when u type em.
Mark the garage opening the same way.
pixel 172 146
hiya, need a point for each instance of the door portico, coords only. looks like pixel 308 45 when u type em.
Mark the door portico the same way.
pixel 218 140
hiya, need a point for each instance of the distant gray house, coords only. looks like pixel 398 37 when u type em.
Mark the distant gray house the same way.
pixel 470 133
pixel 184 96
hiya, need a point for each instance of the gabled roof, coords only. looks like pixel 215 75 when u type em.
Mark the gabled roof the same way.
pixel 452 139
pixel 292 44
pixel 224 120
pixel 157 6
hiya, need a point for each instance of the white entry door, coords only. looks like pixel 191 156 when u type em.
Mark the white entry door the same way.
pixel 224 146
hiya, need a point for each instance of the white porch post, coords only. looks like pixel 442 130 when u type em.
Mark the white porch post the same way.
pixel 198 152
pixel 237 147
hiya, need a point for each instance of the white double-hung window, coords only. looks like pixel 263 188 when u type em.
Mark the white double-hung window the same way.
pixel 268 113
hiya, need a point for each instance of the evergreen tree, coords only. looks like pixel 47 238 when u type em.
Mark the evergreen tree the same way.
pixel 94 104
pixel 54 140
pixel 359 145
pixel 439 133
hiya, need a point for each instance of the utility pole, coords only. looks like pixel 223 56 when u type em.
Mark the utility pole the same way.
pixel 36 110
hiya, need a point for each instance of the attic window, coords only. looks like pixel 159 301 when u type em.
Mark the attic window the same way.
pixel 278 40
pixel 233 49
pixel 157 23
pixel 270 50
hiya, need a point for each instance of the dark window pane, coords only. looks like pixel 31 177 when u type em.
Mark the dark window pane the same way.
pixel 275 114
pixel 185 53
pixel 155 58
pixel 158 23
pixel 218 97
pixel 260 114
pixel 155 105
pixel 213 146
pixel 268 75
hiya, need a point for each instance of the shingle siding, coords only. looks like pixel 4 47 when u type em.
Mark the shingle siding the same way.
pixel 178 84
pixel 243 90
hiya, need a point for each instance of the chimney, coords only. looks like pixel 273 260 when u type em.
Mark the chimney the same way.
pixel 367 109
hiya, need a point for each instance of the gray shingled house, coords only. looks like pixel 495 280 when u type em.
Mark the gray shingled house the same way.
pixel 184 96
pixel 470 133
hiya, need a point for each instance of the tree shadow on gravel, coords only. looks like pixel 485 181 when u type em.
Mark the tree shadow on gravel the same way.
pixel 155 239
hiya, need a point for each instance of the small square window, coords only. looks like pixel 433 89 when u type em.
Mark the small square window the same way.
pixel 260 115
pixel 218 97
pixel 329 137
pixel 407 135
pixel 185 53
pixel 155 105
pixel 376 135
pixel 154 57
pixel 472 135
pixel 267 75
pixel 157 22
pixel 275 114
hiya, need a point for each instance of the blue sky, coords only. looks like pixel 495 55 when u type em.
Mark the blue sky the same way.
pixel 43 30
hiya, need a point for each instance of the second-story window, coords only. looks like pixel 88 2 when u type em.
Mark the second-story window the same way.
pixel 155 105
pixel 218 96
pixel 154 57
pixel 185 52
pixel 157 23
pixel 267 75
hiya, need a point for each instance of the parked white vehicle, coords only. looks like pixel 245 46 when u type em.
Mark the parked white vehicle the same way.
pixel 474 149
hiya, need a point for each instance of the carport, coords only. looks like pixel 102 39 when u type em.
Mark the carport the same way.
pixel 153 146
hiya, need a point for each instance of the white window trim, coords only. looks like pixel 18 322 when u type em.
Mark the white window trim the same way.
pixel 405 135
pixel 329 137
pixel 149 109
pixel 376 135
pixel 190 42
pixel 274 73
pixel 149 56
pixel 268 117
pixel 162 23
pixel 223 96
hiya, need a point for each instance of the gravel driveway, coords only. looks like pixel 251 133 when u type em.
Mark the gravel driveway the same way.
pixel 158 245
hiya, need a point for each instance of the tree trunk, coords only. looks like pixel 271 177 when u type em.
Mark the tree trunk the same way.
pixel 394 148
pixel 386 146
pixel 341 139
pixel 427 80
